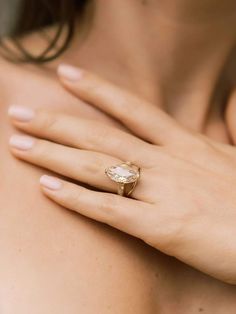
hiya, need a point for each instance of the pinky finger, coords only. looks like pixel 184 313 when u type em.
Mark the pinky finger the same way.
pixel 122 213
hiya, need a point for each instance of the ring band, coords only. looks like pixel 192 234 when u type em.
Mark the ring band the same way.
pixel 126 175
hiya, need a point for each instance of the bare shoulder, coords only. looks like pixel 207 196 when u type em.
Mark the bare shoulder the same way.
pixel 54 261
pixel 63 260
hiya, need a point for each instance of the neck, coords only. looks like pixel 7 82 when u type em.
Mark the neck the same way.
pixel 169 51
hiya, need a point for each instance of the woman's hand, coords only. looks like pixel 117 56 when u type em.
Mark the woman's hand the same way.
pixel 185 201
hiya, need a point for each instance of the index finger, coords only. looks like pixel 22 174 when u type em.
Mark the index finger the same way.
pixel 143 118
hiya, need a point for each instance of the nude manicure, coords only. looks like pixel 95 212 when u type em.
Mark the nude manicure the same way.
pixel 69 72
pixel 21 113
pixel 21 142
pixel 50 183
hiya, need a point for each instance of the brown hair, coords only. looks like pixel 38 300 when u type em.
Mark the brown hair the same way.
pixel 37 14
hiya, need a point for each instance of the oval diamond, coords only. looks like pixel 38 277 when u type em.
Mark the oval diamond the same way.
pixel 123 173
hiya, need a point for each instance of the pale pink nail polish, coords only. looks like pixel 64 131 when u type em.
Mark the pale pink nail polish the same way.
pixel 69 72
pixel 21 113
pixel 21 142
pixel 50 183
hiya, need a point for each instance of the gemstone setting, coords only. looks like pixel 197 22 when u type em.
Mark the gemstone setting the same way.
pixel 123 173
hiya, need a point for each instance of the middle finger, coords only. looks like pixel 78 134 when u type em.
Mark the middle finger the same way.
pixel 83 133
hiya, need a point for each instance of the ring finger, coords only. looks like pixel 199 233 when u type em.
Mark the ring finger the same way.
pixel 80 165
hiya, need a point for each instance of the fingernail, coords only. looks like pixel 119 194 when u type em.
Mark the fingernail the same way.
pixel 69 72
pixel 50 183
pixel 21 113
pixel 21 142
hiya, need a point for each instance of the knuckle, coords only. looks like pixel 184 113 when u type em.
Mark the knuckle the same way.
pixel 72 198
pixel 130 105
pixel 195 145
pixel 94 166
pixel 133 104
pixel 43 151
pixel 111 210
pixel 95 138
pixel 202 149
pixel 199 141
pixel 108 206
pixel 47 121
pixel 92 86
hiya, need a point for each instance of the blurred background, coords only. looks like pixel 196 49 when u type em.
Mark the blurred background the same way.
pixel 7 14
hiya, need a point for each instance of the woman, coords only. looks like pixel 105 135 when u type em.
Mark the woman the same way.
pixel 155 58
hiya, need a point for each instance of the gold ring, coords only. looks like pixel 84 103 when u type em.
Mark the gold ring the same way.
pixel 126 175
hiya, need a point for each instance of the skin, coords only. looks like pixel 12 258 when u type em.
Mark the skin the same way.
pixel 52 260
pixel 160 213
pixel 167 285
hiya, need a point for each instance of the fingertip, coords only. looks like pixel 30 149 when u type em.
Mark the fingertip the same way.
pixel 50 183
pixel 21 142
pixel 69 73
pixel 20 113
